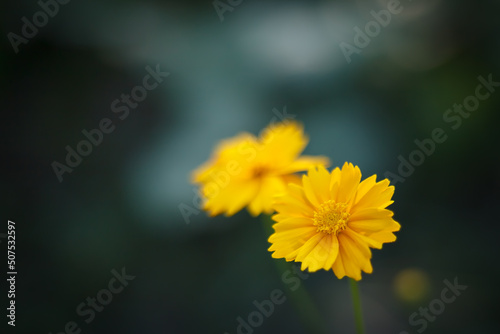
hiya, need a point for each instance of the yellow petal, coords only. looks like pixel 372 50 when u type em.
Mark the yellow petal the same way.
pixel 229 197
pixel 304 163
pixel 237 150
pixel 202 172
pixel 322 255
pixel 383 236
pixel 241 198
pixel 294 203
pixel 334 251
pixel 338 266
pixel 334 182
pixel 362 246
pixel 287 243
pixel 367 267
pixel 349 181
pixel 318 181
pixel 309 246
pixel 364 187
pixel 292 223
pixel 269 188
pixel 367 214
pixel 309 191
pixel 292 234
pixel 291 178
pixel 370 194
pixel 279 217
pixel 352 269
pixel 353 240
pixel 283 142
pixel 371 225
pixel 362 238
pixel 359 253
pixel 318 252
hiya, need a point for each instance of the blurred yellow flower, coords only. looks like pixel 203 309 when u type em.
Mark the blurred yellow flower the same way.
pixel 250 171
pixel 330 221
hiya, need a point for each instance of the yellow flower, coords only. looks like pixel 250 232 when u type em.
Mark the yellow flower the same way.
pixel 331 220
pixel 250 171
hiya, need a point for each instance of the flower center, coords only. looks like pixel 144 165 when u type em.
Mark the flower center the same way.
pixel 259 171
pixel 331 217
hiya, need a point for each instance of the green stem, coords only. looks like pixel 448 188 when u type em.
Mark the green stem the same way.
pixel 358 313
pixel 305 306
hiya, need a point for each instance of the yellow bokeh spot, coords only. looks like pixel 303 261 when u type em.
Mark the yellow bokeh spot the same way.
pixel 412 285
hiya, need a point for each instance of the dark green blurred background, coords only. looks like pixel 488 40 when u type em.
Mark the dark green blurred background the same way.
pixel 120 206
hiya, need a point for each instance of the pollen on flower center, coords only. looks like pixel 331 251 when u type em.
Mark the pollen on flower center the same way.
pixel 331 217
